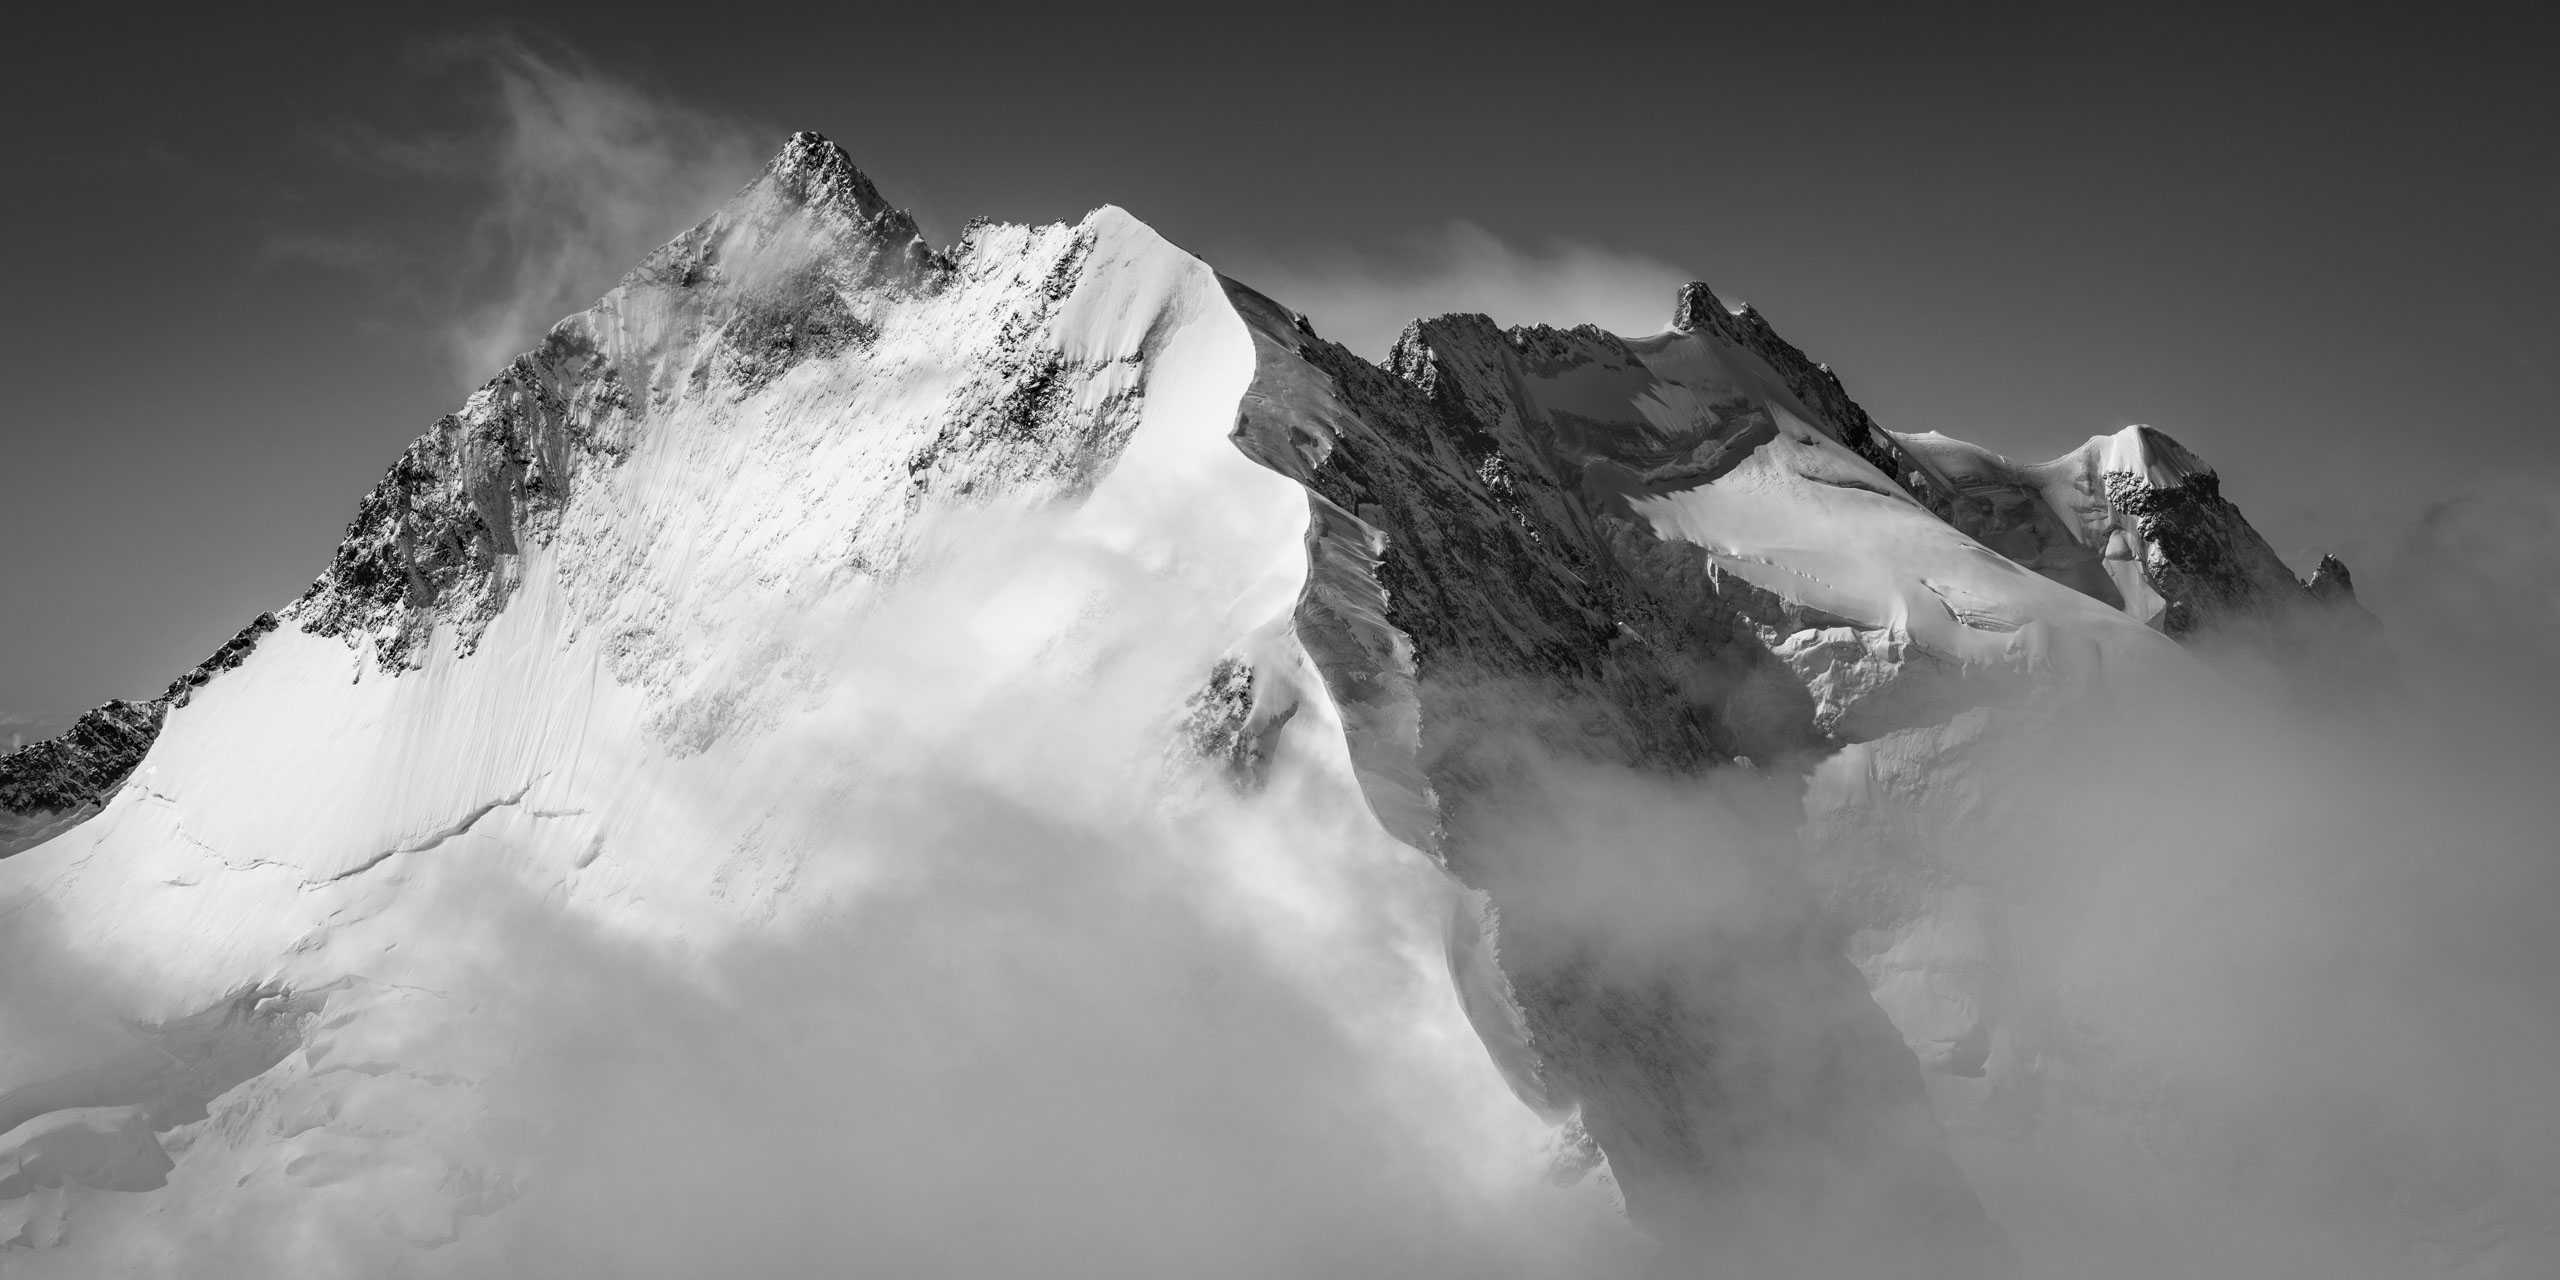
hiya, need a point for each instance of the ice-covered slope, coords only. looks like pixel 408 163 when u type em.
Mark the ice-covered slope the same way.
pixel 818 589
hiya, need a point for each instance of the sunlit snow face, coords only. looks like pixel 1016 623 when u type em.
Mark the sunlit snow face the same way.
pixel 1013 979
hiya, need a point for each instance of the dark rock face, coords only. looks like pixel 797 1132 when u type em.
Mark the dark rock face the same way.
pixel 47 787
pixel 233 652
pixel 1439 548
pixel 2207 562
pixel 2330 583
pixel 1495 626
pixel 1699 311
pixel 433 537
pixel 85 764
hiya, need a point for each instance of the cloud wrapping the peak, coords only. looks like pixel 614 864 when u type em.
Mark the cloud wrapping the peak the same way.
pixel 587 172
pixel 560 176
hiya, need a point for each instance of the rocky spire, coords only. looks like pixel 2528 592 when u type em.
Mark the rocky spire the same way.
pixel 814 171
pixel 2330 583
pixel 1699 310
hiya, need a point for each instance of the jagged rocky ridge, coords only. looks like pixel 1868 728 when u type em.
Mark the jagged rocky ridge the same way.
pixel 46 786
pixel 1521 547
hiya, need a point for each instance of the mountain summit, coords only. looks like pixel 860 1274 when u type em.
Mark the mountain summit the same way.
pixel 812 564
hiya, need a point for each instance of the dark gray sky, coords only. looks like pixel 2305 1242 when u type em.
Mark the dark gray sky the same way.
pixel 251 261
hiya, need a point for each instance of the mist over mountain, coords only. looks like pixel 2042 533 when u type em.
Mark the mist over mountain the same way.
pixel 1025 757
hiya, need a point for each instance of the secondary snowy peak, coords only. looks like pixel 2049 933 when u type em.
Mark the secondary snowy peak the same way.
pixel 2134 519
pixel 1732 469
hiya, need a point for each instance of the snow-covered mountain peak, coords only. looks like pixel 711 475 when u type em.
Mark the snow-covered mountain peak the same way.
pixel 2152 458
pixel 667 626
pixel 814 170
pixel 810 208
pixel 1698 308
pixel 2132 518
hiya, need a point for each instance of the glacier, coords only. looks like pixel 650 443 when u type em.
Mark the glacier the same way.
pixel 1026 751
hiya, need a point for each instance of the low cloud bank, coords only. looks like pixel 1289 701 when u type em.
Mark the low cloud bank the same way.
pixel 2282 991
pixel 1045 995
pixel 2278 996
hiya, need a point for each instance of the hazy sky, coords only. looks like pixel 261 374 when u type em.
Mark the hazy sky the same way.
pixel 251 261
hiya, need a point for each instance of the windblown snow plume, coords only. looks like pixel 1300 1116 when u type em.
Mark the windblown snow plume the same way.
pixel 1023 758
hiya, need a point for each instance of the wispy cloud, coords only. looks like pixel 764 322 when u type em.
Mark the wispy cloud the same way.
pixel 1363 298
pixel 562 176
pixel 586 172
pixel 2481 563
pixel 449 154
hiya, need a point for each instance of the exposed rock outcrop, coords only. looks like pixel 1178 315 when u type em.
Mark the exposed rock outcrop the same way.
pixel 1488 610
